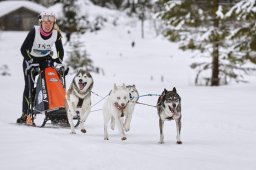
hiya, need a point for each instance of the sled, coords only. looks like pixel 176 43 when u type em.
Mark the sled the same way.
pixel 47 97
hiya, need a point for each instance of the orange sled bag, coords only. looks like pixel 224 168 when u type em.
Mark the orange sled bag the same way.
pixel 50 93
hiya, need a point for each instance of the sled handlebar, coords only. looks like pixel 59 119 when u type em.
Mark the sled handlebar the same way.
pixel 62 68
pixel 60 65
pixel 31 66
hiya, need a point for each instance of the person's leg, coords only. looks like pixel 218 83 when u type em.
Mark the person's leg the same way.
pixel 25 99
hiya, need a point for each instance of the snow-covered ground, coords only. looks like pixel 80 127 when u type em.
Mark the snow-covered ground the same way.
pixel 219 129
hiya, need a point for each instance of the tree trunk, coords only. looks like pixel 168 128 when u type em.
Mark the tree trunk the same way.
pixel 142 21
pixel 142 28
pixel 215 53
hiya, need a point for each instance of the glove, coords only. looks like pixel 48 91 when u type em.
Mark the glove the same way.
pixel 33 61
pixel 30 61
pixel 57 60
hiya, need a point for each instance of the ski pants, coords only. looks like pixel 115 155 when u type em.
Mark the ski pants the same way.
pixel 25 100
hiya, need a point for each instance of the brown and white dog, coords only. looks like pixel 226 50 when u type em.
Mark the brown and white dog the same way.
pixel 78 99
pixel 169 108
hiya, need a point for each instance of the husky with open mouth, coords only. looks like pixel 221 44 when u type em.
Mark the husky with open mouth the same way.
pixel 78 99
pixel 169 108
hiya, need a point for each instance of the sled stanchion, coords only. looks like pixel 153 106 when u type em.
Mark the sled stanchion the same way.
pixel 30 75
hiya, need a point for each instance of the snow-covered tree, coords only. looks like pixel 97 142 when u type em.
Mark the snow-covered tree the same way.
pixel 77 55
pixel 143 7
pixel 202 26
pixel 243 34
pixel 72 21
pixel 112 4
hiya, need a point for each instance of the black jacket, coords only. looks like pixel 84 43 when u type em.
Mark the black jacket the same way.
pixel 28 43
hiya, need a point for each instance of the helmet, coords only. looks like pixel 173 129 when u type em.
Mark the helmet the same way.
pixel 47 16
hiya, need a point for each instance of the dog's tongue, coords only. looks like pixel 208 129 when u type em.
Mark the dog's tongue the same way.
pixel 81 85
pixel 171 109
pixel 119 107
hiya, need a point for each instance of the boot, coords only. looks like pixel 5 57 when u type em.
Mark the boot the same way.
pixel 22 119
pixel 29 120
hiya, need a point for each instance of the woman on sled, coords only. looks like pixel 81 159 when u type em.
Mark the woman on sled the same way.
pixel 36 49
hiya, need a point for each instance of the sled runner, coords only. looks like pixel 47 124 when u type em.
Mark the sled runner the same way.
pixel 47 97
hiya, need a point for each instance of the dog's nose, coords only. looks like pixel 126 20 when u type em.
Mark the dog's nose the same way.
pixel 80 80
pixel 173 105
pixel 122 104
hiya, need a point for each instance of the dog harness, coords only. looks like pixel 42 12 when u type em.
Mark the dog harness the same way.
pixel 121 108
pixel 84 94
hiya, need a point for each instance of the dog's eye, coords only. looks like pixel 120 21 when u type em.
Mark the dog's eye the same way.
pixel 118 98
pixel 175 99
pixel 168 100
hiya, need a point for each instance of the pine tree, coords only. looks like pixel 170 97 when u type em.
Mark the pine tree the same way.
pixel 75 23
pixel 203 27
pixel 243 35
pixel 142 9
pixel 78 56
pixel 71 21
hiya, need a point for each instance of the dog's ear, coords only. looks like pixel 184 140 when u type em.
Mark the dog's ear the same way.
pixel 115 87
pixel 133 85
pixel 174 90
pixel 165 91
pixel 77 71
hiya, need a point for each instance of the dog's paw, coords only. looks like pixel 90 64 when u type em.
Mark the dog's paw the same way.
pixel 83 130
pixel 161 142
pixel 179 142
pixel 123 138
pixel 72 132
pixel 106 138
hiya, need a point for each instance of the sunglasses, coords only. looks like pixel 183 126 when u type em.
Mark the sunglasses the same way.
pixel 48 18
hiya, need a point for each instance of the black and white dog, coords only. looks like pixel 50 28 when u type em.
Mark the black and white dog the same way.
pixel 78 98
pixel 134 97
pixel 169 108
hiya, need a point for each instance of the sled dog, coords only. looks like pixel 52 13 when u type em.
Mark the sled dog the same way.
pixel 133 98
pixel 169 108
pixel 78 99
pixel 115 108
